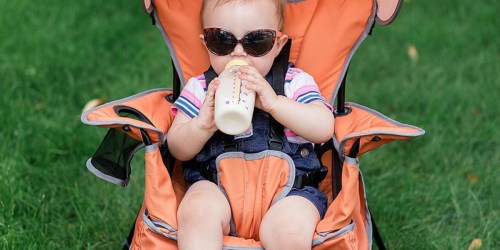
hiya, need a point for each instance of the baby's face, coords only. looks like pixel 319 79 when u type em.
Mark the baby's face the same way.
pixel 239 18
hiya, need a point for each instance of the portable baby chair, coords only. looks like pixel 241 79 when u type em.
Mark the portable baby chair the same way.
pixel 325 35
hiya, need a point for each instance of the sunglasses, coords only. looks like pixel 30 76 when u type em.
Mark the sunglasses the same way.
pixel 255 43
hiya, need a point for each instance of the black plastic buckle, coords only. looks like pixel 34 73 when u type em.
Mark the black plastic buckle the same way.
pixel 299 182
pixel 229 147
pixel 312 178
pixel 275 144
pixel 208 173
pixel 228 143
pixel 323 171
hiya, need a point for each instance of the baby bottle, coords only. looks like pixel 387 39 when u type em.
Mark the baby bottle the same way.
pixel 234 103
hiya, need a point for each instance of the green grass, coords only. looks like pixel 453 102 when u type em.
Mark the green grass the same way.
pixel 54 57
pixel 434 192
pixel 420 190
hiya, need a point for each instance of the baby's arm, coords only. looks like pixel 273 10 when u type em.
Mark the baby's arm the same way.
pixel 186 137
pixel 313 121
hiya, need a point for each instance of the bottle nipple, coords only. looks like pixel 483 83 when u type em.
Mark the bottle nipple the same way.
pixel 235 62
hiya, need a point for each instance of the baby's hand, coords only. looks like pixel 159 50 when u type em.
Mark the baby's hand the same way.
pixel 266 97
pixel 205 119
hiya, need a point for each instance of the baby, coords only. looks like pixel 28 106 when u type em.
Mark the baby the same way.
pixel 249 30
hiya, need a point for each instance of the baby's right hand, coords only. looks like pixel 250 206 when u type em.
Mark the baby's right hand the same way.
pixel 205 119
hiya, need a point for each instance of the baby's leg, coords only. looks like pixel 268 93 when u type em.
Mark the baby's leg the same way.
pixel 203 216
pixel 289 224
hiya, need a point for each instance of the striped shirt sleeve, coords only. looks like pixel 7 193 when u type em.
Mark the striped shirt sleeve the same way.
pixel 301 87
pixel 191 97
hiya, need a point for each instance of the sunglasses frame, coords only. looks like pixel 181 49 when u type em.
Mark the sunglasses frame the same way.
pixel 244 44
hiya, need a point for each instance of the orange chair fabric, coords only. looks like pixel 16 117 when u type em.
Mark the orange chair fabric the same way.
pixel 325 34
pixel 252 183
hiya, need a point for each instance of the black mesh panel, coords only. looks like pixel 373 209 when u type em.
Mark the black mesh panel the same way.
pixel 113 156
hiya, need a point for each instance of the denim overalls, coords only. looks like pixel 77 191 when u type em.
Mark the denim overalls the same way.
pixel 257 140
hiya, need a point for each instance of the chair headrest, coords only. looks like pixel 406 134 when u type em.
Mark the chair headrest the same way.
pixel 325 34
pixel 387 10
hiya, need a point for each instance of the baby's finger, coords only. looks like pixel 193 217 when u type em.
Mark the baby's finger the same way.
pixel 213 86
pixel 216 81
pixel 253 79
pixel 252 86
pixel 249 70
pixel 248 85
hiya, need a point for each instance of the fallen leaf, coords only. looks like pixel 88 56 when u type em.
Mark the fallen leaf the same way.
pixel 473 179
pixel 475 244
pixel 412 52
pixel 93 103
pixel 39 106
pixel 476 112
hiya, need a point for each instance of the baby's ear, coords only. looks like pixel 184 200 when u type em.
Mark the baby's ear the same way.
pixel 281 42
pixel 202 40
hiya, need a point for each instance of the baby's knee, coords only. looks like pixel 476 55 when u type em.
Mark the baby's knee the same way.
pixel 285 235
pixel 286 239
pixel 203 202
pixel 191 208
pixel 289 224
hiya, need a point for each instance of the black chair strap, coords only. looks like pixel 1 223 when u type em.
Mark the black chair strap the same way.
pixel 376 234
pixel 279 69
pixel 312 178
pixel 210 75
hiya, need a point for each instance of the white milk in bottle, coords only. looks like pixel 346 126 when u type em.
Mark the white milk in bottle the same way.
pixel 234 103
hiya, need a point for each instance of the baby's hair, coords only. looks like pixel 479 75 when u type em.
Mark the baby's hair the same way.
pixel 280 8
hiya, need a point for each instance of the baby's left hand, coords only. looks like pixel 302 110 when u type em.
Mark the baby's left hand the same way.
pixel 266 97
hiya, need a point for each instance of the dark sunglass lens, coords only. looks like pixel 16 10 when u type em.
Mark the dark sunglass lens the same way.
pixel 220 42
pixel 259 42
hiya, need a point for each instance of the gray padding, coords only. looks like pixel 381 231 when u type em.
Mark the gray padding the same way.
pixel 331 234
pixel 153 225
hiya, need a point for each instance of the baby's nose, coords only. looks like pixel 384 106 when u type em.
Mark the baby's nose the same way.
pixel 238 50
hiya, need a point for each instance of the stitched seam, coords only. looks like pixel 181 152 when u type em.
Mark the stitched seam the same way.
pixel 244 190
